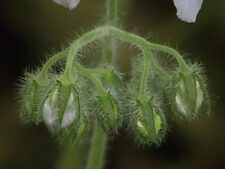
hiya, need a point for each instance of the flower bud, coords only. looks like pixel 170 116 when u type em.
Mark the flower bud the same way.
pixel 108 113
pixel 62 107
pixel 32 97
pixel 148 122
pixel 188 95
pixel 111 77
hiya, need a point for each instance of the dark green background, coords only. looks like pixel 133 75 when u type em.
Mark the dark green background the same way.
pixel 30 29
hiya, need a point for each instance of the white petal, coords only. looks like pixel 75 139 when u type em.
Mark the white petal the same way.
pixel 187 10
pixel 200 97
pixel 181 103
pixel 70 112
pixel 68 3
pixel 49 116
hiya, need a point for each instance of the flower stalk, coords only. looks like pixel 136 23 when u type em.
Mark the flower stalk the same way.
pixel 97 149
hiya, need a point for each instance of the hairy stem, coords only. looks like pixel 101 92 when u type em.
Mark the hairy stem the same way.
pixel 97 151
pixel 101 32
pixel 91 74
pixel 109 44
pixel 81 42
pixel 145 73
pixel 112 12
pixel 171 51
pixel 50 62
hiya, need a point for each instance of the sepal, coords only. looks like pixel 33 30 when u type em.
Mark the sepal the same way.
pixel 148 123
pixel 33 94
pixel 108 112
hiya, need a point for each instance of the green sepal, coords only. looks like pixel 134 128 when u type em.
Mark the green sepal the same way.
pixel 108 113
pixel 145 106
pixel 33 95
pixel 75 133
pixel 64 92
pixel 189 83
pixel 148 122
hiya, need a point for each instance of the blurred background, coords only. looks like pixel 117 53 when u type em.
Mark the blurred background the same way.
pixel 30 29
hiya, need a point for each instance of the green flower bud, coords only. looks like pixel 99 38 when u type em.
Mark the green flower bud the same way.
pixel 111 77
pixel 108 113
pixel 62 108
pixel 187 95
pixel 32 96
pixel 148 122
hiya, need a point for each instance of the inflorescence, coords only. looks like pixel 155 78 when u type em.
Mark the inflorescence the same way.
pixel 71 100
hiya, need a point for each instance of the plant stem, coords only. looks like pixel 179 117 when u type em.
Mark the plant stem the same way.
pixel 109 44
pixel 50 62
pixel 90 73
pixel 100 32
pixel 112 12
pixel 81 42
pixel 97 151
pixel 145 73
pixel 171 51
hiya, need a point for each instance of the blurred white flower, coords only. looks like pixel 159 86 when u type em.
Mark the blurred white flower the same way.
pixel 187 10
pixel 68 3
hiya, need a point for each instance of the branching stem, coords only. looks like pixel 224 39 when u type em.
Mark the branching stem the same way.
pixel 50 62
pixel 103 31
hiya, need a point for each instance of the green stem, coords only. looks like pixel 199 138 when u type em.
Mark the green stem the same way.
pixel 145 73
pixel 89 73
pixel 171 51
pixel 112 12
pixel 97 151
pixel 109 44
pixel 49 63
pixel 141 42
pixel 125 36
pixel 81 42
pixel 108 30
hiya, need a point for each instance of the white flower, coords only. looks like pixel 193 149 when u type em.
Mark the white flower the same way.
pixel 187 10
pixel 68 3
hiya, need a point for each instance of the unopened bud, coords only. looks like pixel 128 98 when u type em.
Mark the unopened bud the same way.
pixel 189 95
pixel 32 97
pixel 61 108
pixel 108 113
pixel 148 124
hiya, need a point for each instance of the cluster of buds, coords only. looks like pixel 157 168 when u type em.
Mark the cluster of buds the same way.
pixel 69 106
pixel 63 104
